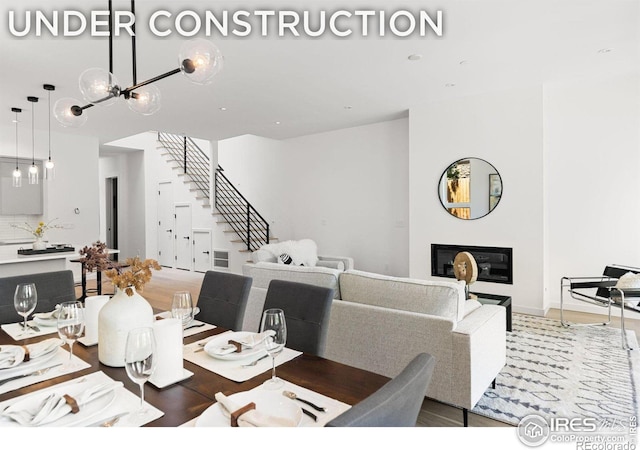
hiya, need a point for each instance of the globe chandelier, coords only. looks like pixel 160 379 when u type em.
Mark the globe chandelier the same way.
pixel 199 60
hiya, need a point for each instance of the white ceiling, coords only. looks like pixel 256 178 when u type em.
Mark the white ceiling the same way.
pixel 305 84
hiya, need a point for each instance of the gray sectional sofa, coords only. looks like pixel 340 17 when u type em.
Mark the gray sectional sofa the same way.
pixel 379 323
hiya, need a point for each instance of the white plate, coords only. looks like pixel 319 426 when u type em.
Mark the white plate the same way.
pixel 223 339
pixel 272 403
pixel 86 412
pixel 32 364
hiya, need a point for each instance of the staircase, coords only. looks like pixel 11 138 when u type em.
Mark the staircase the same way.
pixel 244 222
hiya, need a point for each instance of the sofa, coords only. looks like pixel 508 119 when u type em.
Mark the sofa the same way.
pixel 379 323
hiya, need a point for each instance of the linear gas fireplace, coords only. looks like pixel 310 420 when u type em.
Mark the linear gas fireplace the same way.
pixel 495 264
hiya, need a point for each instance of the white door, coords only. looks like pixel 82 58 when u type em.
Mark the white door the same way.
pixel 165 224
pixel 201 251
pixel 182 237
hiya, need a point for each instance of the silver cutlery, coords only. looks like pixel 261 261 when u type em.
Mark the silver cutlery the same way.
pixel 109 422
pixel 30 374
pixel 293 396
pixel 255 361
pixel 33 327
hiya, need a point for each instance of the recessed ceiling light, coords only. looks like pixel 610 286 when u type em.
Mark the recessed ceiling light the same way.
pixel 414 57
pixel 449 85
pixel 605 50
pixel 278 122
pixel 222 108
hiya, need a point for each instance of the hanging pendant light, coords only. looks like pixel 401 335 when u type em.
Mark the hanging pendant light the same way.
pixel 34 176
pixel 16 179
pixel 199 60
pixel 49 172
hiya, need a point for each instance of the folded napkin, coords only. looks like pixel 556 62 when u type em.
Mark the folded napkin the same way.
pixel 13 355
pixel 57 405
pixel 52 315
pixel 252 418
pixel 249 341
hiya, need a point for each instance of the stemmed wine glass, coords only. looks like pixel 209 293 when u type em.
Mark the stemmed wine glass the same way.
pixel 273 319
pixel 139 359
pixel 182 307
pixel 70 325
pixel 25 300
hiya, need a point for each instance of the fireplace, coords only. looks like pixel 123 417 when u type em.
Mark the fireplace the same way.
pixel 495 264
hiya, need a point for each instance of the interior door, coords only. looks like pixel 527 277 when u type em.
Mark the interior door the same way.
pixel 201 251
pixel 165 225
pixel 111 192
pixel 182 237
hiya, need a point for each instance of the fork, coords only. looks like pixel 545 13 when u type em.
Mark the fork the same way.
pixel 33 327
pixel 30 374
pixel 255 361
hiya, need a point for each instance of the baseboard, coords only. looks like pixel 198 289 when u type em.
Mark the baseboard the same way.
pixel 530 311
pixel 594 309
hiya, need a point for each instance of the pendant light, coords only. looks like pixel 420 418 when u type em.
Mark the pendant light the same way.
pixel 49 172
pixel 34 176
pixel 17 174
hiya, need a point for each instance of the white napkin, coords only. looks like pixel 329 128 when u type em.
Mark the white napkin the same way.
pixel 248 341
pixel 13 355
pixel 52 315
pixel 252 418
pixel 55 406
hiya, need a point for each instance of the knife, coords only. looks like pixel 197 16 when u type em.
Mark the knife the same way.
pixel 112 420
pixel 30 374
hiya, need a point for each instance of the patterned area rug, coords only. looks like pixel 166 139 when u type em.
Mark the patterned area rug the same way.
pixel 557 371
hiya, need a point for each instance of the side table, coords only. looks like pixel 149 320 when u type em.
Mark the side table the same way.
pixel 500 300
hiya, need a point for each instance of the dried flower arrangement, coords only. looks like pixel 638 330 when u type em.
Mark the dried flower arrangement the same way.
pixel 95 257
pixel 137 276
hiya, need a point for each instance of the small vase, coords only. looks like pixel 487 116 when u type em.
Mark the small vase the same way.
pixel 120 315
pixel 39 244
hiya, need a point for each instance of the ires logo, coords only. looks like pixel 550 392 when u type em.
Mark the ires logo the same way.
pixel 577 424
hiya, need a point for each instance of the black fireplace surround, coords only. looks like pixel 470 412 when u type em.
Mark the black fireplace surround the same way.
pixel 495 264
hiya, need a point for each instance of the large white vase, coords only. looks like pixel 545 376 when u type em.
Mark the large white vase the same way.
pixel 39 244
pixel 120 315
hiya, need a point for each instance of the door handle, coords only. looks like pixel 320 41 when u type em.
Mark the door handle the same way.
pixel 206 253
pixel 185 237
pixel 168 231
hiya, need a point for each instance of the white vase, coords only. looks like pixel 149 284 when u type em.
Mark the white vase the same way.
pixel 120 315
pixel 39 244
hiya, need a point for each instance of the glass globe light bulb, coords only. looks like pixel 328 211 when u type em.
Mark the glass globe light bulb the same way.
pixel 99 86
pixel 17 173
pixel 145 100
pixel 33 169
pixel 200 60
pixel 49 164
pixel 33 174
pixel 17 178
pixel 63 111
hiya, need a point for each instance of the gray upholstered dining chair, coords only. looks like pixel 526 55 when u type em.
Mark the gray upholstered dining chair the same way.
pixel 223 299
pixel 397 403
pixel 52 288
pixel 306 309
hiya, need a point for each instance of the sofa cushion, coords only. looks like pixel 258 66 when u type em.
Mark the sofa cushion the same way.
pixel 338 265
pixel 439 298
pixel 263 272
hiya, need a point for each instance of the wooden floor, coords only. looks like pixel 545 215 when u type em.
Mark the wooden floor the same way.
pixel 433 414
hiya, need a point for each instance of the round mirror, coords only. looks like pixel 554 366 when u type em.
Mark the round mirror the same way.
pixel 470 188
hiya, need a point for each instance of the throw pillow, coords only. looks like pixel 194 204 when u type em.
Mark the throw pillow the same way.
pixel 286 259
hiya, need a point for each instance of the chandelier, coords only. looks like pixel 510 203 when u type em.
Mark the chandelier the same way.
pixel 199 60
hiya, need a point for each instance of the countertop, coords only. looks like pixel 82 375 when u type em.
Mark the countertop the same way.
pixel 9 254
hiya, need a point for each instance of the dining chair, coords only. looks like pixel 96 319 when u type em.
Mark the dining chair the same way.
pixel 397 403
pixel 52 288
pixel 223 299
pixel 306 309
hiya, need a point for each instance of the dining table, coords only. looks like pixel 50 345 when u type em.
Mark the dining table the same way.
pixel 186 400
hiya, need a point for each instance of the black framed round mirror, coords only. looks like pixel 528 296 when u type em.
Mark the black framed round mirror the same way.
pixel 470 188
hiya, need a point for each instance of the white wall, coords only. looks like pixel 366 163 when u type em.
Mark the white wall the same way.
pixel 505 129
pixel 74 186
pixel 592 161
pixel 347 190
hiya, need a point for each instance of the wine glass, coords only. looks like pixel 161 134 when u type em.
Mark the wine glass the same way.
pixel 25 300
pixel 139 360
pixel 273 319
pixel 70 325
pixel 182 307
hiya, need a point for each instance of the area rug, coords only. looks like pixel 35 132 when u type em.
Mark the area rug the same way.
pixel 556 371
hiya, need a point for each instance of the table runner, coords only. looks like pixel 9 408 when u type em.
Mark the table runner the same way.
pixel 233 370
pixel 125 401
pixel 61 359
pixel 334 407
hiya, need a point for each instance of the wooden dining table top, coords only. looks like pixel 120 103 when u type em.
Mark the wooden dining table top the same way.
pixel 186 400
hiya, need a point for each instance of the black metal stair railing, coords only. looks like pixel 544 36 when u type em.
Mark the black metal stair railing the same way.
pixel 238 213
pixel 241 216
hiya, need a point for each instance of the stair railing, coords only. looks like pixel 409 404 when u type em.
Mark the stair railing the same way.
pixel 241 216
